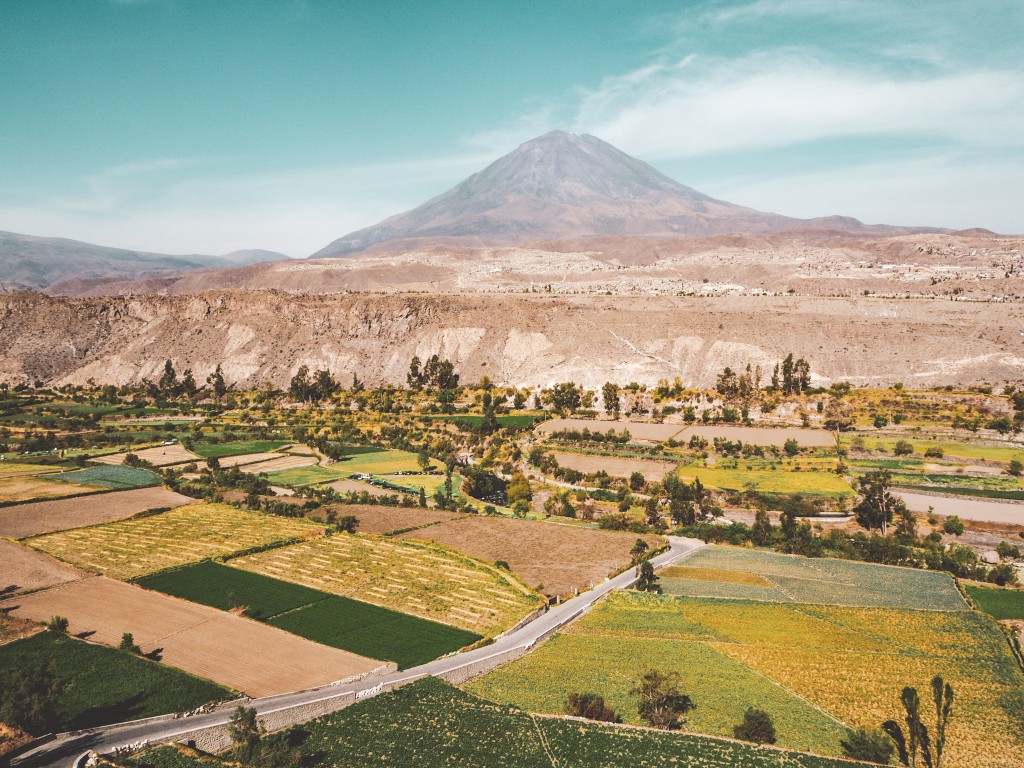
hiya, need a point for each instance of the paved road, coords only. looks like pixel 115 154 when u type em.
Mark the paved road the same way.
pixel 965 507
pixel 63 752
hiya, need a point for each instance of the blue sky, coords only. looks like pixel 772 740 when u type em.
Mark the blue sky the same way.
pixel 179 126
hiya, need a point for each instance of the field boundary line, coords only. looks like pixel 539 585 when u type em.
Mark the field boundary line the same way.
pixel 543 741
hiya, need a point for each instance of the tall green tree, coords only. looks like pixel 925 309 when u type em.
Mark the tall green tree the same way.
pixel 610 397
pixel 877 506
pixel 30 697
pixel 660 700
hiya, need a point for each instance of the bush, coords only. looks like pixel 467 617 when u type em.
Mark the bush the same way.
pixel 57 624
pixel 1002 575
pixel 1008 551
pixel 934 453
pixel 591 706
pixel 1016 468
pixel 869 746
pixel 757 726
pixel 953 525
pixel 903 448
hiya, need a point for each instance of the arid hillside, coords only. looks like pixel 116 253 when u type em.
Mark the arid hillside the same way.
pixel 530 339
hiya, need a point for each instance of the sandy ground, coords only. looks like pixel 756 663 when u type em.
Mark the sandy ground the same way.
pixel 27 569
pixel 160 456
pixel 615 466
pixel 562 558
pixel 966 508
pixel 242 654
pixel 23 520
pixel 807 438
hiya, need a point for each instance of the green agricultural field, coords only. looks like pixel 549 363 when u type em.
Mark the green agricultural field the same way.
pixel 139 546
pixel 998 602
pixel 340 622
pixel 117 477
pixel 850 662
pixel 300 476
pixel 103 685
pixel 955 448
pixel 169 757
pixel 383 461
pixel 823 482
pixel 236 448
pixel 787 578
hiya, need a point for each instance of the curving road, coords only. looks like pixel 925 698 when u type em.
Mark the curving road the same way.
pixel 63 751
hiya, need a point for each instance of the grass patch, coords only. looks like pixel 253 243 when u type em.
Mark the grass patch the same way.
pixel 300 476
pixel 117 477
pixel 809 483
pixel 236 448
pixel 136 547
pixel 340 622
pixel 998 603
pixel 103 685
pixel 956 448
pixel 380 461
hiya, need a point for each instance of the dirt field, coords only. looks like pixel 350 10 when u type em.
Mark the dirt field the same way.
pixel 242 654
pixel 279 463
pixel 28 487
pixel 247 458
pixel 26 569
pixel 347 486
pixel 374 519
pixel 562 558
pixel 45 516
pixel 967 509
pixel 161 456
pixel 615 466
pixel 12 629
pixel 11 470
pixel 638 429
pixel 807 438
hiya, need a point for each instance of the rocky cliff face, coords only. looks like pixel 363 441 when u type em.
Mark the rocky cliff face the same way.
pixel 529 340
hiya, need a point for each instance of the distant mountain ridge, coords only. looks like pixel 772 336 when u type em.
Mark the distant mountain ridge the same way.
pixel 28 261
pixel 563 186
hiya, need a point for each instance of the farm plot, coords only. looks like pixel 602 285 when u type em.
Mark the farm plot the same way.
pixel 246 459
pixel 160 456
pixel 424 580
pixel 637 429
pixel 850 662
pixel 17 488
pixel 236 448
pixel 383 461
pixel 555 559
pixel 805 438
pixel 45 516
pixel 380 520
pixel 732 572
pixel 429 724
pixel 118 478
pixel 357 486
pixel 13 469
pixel 105 686
pixel 144 545
pixel 822 482
pixel 25 569
pixel 279 464
pixel 339 622
pixel 301 475
pixel 614 465
pixel 1000 603
pixel 239 653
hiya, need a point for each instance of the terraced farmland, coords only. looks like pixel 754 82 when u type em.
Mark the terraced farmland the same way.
pixel 140 546
pixel 850 662
pixel 823 482
pixel 119 478
pixel 428 581
pixel 731 572
pixel 340 622
pixel 236 448
pixel 384 461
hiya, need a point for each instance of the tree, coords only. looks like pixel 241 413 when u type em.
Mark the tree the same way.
pixel 792 447
pixel 30 697
pixel 903 448
pixel 216 383
pixel 877 506
pixel 128 644
pixel 660 701
pixel 300 385
pixel 647 579
pixel 518 489
pixel 245 732
pixel 168 380
pixel 566 397
pixel 188 387
pixel 640 547
pixel 591 706
pixel 953 526
pixel 637 481
pixel 762 532
pixel 869 746
pixel 1016 468
pixel 423 459
pixel 757 726
pixel 610 397
pixel 414 378
pixel 57 624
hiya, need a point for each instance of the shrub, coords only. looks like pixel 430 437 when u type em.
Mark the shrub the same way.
pixel 1016 468
pixel 128 644
pixel 869 746
pixel 953 525
pixel 57 624
pixel 1008 551
pixel 757 726
pixel 903 448
pixel 1002 574
pixel 591 706
pixel 935 452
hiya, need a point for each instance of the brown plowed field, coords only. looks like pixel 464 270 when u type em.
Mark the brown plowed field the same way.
pixel 279 463
pixel 160 456
pixel 27 487
pixel 247 458
pixel 45 516
pixel 348 486
pixel 561 557
pixel 806 438
pixel 242 654
pixel 615 465
pixel 25 569
pixel 374 519
pixel 638 429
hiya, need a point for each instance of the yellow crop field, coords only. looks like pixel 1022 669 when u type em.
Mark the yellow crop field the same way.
pixel 136 547
pixel 425 580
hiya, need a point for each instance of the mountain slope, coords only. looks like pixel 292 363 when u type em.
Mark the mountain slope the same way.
pixel 27 261
pixel 564 186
